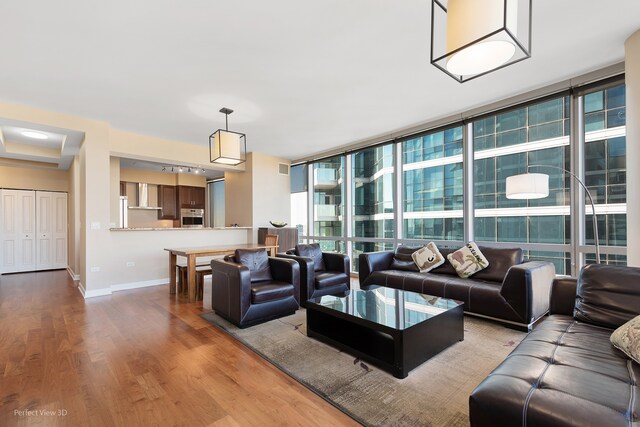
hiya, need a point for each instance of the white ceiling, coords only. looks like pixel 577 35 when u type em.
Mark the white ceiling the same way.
pixel 56 151
pixel 302 76
pixel 168 167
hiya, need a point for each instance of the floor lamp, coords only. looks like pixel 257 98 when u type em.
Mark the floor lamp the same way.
pixel 536 186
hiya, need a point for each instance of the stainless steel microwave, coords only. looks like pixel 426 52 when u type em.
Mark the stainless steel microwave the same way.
pixel 192 218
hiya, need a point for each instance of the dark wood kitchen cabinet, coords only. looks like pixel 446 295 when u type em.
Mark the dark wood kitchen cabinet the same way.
pixel 191 197
pixel 167 202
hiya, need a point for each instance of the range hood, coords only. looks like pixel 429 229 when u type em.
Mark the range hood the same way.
pixel 143 198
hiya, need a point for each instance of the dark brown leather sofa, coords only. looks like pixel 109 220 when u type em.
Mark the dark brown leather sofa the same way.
pixel 566 372
pixel 246 297
pixel 328 277
pixel 509 289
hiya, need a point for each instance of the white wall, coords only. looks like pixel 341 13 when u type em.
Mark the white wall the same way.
pixel 632 81
pixel 146 250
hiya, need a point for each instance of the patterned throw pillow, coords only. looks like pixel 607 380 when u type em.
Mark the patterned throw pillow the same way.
pixel 468 260
pixel 427 257
pixel 627 338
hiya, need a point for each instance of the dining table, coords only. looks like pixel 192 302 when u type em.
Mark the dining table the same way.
pixel 192 254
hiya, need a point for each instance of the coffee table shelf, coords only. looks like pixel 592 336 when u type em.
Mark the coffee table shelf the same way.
pixel 393 329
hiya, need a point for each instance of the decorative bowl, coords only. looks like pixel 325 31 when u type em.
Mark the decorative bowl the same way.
pixel 277 224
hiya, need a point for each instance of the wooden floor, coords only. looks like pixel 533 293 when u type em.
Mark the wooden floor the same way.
pixel 134 358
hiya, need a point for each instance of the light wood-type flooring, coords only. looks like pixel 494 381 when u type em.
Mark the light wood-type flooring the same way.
pixel 134 358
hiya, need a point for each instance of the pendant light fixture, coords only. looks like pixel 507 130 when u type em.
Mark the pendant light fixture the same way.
pixel 225 146
pixel 470 38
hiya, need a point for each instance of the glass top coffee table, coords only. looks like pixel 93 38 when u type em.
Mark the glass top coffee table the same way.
pixel 392 329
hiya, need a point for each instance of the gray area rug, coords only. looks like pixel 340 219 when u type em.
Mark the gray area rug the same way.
pixel 434 394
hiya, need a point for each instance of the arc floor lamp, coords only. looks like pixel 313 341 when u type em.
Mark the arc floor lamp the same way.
pixel 536 186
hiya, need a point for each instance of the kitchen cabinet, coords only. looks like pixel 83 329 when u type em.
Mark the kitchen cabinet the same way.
pixel 167 201
pixel 191 197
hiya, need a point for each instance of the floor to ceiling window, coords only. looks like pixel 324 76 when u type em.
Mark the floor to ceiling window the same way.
pixel 420 195
pixel 300 198
pixel 328 205
pixel 605 169
pixel 372 186
pixel 510 143
pixel 433 185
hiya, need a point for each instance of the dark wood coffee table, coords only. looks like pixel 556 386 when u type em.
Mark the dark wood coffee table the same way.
pixel 392 329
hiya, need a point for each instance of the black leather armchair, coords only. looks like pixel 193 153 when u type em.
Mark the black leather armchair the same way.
pixel 247 296
pixel 330 277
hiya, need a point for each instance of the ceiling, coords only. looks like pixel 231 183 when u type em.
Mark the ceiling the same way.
pixel 167 167
pixel 302 77
pixel 55 150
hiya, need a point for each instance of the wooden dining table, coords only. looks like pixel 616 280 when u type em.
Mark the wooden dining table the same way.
pixel 192 254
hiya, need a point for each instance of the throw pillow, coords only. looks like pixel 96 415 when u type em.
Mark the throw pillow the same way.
pixel 468 260
pixel 402 259
pixel 313 251
pixel 627 338
pixel 257 261
pixel 427 257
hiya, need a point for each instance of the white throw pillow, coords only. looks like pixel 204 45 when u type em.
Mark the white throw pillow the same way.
pixel 627 338
pixel 428 257
pixel 468 260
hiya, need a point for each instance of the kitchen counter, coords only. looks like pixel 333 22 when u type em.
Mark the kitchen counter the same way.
pixel 178 229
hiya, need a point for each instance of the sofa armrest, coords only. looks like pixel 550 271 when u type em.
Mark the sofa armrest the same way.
pixel 334 261
pixel 307 275
pixel 288 271
pixel 232 294
pixel 563 295
pixel 526 288
pixel 373 261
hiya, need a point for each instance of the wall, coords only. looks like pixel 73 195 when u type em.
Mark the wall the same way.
pixel 632 81
pixel 238 196
pixel 114 191
pixel 27 178
pixel 272 200
pixel 258 195
pixel 145 249
pixel 74 218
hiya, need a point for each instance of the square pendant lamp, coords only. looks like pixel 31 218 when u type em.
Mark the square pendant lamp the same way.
pixel 470 38
pixel 227 147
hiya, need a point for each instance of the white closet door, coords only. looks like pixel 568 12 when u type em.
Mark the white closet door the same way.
pixel 17 240
pixel 60 230
pixel 44 230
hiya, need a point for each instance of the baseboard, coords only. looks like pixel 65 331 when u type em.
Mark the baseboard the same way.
pixel 121 287
pixel 97 293
pixel 136 285
pixel 81 289
pixel 75 277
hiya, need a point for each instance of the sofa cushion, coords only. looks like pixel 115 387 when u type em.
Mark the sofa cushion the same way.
pixel 500 261
pixel 270 290
pixel 257 261
pixel 313 251
pixel 627 338
pixel 563 373
pixel 427 258
pixel 327 279
pixel 468 260
pixel 446 267
pixel 402 259
pixel 608 295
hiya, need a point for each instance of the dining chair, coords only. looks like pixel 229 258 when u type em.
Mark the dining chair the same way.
pixel 271 240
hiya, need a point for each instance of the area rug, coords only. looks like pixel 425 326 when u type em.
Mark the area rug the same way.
pixel 434 394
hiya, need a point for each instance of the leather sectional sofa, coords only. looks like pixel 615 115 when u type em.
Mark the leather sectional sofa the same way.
pixel 566 372
pixel 509 289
